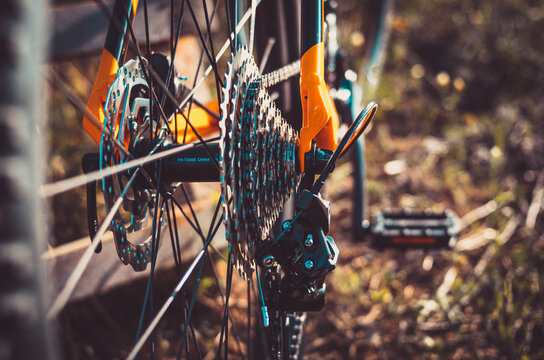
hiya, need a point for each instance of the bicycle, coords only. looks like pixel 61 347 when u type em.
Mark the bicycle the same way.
pixel 159 141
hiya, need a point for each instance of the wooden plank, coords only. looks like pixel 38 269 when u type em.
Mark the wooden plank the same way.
pixel 106 271
pixel 80 29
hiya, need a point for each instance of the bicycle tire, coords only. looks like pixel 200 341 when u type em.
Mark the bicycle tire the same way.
pixel 23 328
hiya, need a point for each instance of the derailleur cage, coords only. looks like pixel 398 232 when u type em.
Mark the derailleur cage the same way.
pixel 305 254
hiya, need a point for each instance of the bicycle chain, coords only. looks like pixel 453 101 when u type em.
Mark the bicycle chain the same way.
pixel 286 329
pixel 282 74
pixel 295 334
pixel 258 152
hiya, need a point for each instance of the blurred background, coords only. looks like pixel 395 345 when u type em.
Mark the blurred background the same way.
pixel 459 127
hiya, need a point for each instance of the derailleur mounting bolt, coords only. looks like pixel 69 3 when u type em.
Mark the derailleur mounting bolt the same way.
pixel 309 240
pixel 309 264
pixel 268 261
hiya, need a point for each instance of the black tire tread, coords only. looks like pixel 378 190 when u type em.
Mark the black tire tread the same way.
pixel 22 318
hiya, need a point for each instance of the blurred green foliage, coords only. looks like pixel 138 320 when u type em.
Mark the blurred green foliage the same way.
pixel 461 105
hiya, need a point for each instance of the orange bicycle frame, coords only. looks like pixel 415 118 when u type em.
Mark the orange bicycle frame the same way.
pixel 113 54
pixel 319 116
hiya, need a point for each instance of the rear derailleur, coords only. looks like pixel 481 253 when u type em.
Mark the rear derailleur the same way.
pixel 305 254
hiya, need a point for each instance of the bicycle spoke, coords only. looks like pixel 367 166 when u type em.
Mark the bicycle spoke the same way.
pixel 176 249
pixel 173 46
pixel 174 240
pixel 79 105
pixel 190 311
pixel 191 208
pixel 181 283
pixel 232 34
pixel 70 285
pixel 266 54
pixel 215 222
pixel 133 43
pixel 210 39
pixel 146 21
pixel 249 317
pixel 177 255
pixel 195 228
pixel 176 233
pixel 229 25
pixel 174 293
pixel 236 336
pixel 155 239
pixel 192 99
pixel 76 102
pixel 252 25
pixel 213 62
pixel 193 334
pixel 224 327
pixel 166 305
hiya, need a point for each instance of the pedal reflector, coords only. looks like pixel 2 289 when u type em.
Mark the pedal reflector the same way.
pixel 407 229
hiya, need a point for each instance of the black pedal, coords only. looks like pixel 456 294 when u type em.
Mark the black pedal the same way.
pixel 415 230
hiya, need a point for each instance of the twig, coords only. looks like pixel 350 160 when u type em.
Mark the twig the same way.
pixel 477 240
pixel 536 203
pixel 491 250
pixel 447 283
pixel 479 213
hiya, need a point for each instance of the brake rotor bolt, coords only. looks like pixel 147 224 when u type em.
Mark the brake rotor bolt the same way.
pixel 309 264
pixel 309 240
pixel 268 261
pixel 287 225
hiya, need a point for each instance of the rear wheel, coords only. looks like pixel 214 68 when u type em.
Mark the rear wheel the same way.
pixel 145 204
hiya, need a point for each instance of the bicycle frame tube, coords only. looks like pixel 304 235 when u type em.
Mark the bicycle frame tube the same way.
pixel 113 54
pixel 319 116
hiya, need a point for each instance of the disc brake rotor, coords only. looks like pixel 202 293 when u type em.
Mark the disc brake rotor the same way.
pixel 128 120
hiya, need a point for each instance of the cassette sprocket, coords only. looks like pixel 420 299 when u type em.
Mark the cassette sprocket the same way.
pixel 258 152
